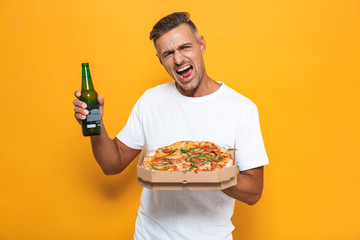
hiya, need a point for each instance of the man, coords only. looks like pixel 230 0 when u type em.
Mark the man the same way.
pixel 192 107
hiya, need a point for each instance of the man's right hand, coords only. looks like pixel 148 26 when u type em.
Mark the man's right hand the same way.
pixel 80 107
pixel 112 155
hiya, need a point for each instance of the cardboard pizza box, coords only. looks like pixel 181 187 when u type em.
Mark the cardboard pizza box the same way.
pixel 163 180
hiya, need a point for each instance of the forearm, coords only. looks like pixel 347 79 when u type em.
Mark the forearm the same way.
pixel 106 153
pixel 248 188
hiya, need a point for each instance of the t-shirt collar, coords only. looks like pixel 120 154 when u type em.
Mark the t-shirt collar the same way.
pixel 197 99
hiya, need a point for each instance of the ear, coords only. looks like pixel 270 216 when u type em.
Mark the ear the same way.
pixel 202 44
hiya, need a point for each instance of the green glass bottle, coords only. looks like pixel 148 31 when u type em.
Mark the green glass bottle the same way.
pixel 92 124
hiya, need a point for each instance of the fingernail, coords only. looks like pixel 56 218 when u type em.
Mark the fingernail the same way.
pixel 83 117
pixel 84 105
pixel 86 112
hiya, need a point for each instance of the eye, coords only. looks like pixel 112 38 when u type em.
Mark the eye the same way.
pixel 167 54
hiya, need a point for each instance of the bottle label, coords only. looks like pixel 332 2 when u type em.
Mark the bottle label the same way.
pixel 93 116
pixel 91 126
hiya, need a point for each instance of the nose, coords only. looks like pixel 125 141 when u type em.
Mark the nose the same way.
pixel 178 58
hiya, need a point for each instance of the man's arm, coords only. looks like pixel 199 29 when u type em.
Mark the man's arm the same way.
pixel 249 186
pixel 112 155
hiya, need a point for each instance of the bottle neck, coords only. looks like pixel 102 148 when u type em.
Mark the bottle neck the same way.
pixel 86 79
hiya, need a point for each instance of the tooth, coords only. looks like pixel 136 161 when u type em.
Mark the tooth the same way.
pixel 183 68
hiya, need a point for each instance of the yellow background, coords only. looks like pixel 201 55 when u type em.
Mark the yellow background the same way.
pixel 297 60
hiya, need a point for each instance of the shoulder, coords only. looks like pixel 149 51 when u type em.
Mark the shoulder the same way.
pixel 236 99
pixel 157 94
pixel 161 89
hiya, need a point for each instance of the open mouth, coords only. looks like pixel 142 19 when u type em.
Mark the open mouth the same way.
pixel 185 72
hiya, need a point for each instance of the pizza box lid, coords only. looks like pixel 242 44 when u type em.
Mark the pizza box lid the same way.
pixel 163 180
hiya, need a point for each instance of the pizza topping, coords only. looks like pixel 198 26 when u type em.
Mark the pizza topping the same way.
pixel 159 169
pixel 172 151
pixel 189 156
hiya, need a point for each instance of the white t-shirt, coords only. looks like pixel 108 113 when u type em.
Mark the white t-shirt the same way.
pixel 162 116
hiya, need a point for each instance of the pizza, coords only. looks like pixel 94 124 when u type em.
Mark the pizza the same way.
pixel 188 156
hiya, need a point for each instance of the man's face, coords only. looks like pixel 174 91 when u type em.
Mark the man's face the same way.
pixel 181 53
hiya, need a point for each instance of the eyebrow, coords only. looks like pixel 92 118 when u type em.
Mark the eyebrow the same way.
pixel 167 52
pixel 179 47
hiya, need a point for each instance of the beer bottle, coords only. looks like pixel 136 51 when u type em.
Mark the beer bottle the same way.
pixel 92 124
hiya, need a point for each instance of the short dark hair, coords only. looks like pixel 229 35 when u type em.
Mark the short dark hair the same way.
pixel 170 22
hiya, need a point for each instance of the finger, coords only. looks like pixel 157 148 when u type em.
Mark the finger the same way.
pixel 101 101
pixel 76 117
pixel 77 93
pixel 82 111
pixel 79 103
pixel 79 116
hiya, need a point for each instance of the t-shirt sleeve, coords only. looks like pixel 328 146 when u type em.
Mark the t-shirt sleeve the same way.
pixel 132 135
pixel 250 150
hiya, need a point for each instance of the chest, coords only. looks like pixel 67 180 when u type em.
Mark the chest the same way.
pixel 173 121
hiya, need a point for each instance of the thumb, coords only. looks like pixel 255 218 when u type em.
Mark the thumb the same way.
pixel 100 100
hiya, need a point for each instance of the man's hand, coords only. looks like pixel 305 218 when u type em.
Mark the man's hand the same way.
pixel 111 154
pixel 249 186
pixel 80 107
